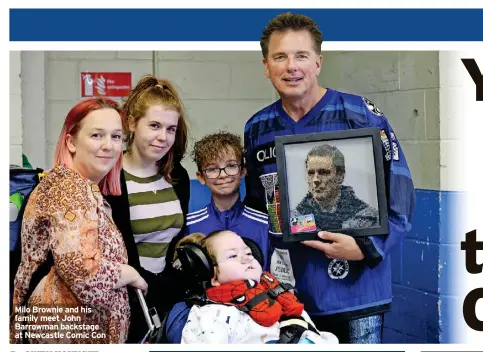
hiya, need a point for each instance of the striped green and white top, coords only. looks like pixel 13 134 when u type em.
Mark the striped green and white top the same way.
pixel 156 217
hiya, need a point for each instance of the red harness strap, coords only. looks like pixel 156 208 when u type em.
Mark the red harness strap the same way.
pixel 265 301
pixel 291 306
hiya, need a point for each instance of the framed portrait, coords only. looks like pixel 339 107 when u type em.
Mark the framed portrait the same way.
pixel 332 181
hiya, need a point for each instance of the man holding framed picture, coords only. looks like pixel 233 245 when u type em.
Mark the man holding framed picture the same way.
pixel 344 282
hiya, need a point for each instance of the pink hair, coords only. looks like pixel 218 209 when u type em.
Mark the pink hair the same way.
pixel 111 183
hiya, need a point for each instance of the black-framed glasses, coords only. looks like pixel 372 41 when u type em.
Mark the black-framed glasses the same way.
pixel 215 172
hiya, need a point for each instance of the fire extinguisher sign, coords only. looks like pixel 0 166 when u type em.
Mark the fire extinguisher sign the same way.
pixel 105 84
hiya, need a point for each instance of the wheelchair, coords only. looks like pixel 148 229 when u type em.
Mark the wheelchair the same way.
pixel 155 333
pixel 169 328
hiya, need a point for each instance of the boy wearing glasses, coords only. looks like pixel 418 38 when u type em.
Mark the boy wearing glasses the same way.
pixel 219 158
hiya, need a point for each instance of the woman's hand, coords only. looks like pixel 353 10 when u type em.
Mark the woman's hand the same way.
pixel 130 277
pixel 141 284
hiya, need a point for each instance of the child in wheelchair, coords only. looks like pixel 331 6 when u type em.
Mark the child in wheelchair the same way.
pixel 233 300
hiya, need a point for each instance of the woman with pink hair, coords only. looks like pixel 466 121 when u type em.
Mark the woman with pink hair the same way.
pixel 70 286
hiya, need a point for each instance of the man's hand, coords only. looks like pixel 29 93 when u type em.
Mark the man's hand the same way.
pixel 342 247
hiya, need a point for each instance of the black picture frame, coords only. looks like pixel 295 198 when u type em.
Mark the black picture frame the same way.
pixel 367 137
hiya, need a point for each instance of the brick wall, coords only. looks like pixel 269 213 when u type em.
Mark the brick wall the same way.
pixel 219 89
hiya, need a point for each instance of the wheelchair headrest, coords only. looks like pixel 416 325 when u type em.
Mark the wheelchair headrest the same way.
pixel 196 264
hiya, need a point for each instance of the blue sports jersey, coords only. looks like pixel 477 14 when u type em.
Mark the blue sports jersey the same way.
pixel 326 286
pixel 242 220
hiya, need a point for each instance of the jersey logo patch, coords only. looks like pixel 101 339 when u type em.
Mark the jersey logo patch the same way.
pixel 387 145
pixel 338 269
pixel 395 149
pixel 372 107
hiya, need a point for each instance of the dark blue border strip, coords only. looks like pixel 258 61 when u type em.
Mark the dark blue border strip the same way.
pixel 241 24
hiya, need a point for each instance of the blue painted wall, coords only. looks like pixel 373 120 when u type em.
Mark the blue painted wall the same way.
pixel 424 289
pixel 423 292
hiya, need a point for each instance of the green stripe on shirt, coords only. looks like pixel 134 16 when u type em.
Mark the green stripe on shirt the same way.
pixel 152 250
pixel 159 223
pixel 160 196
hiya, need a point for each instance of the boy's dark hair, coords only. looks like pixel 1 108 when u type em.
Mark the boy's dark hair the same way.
pixel 290 21
pixel 212 146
